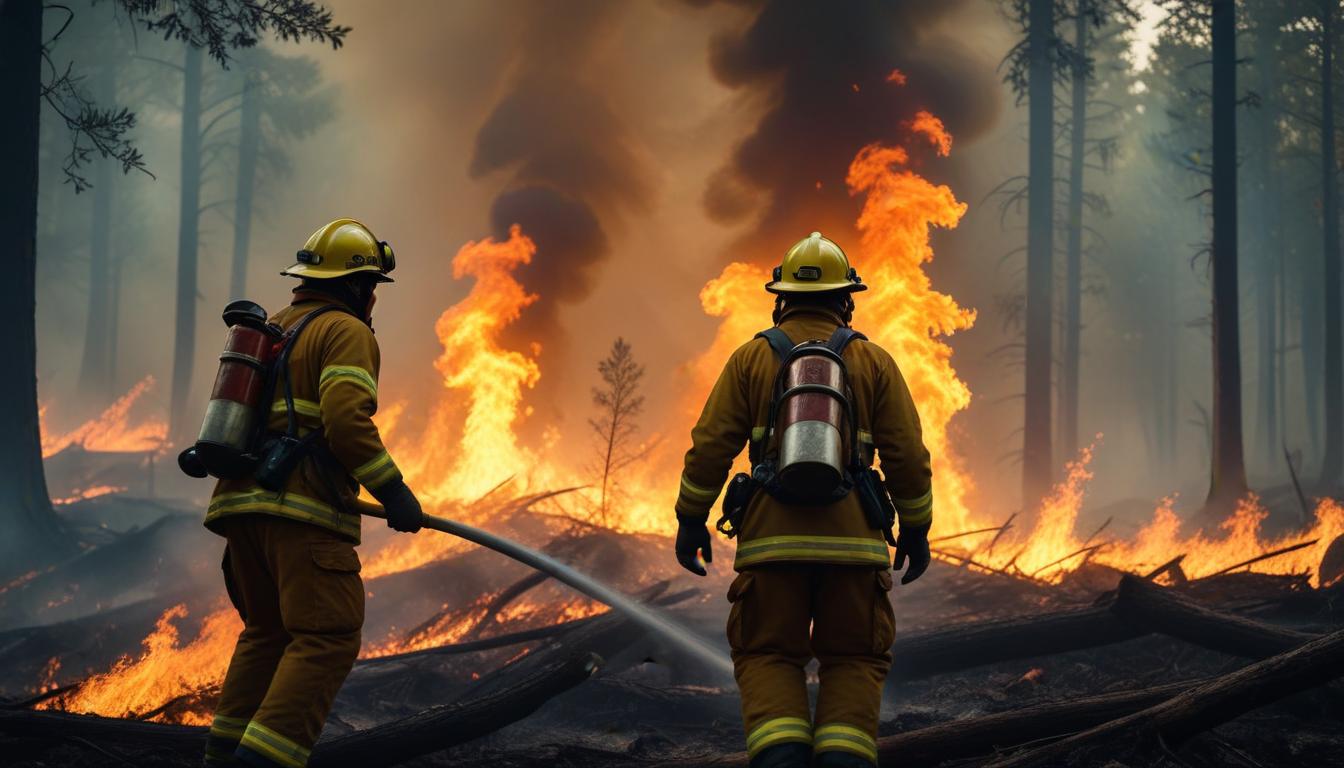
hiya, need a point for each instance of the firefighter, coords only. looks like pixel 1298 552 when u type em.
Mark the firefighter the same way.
pixel 813 581
pixel 290 565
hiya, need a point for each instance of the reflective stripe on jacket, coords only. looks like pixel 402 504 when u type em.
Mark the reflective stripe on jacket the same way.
pixel 735 414
pixel 335 386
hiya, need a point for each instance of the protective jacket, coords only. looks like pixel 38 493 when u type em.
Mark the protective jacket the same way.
pixel 736 412
pixel 334 365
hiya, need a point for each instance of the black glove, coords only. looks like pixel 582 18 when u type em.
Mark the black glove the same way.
pixel 693 537
pixel 402 508
pixel 912 542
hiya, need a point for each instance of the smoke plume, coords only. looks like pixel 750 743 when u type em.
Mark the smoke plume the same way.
pixel 835 77
pixel 574 168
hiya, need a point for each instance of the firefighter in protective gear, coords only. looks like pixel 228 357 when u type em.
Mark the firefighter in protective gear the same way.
pixel 818 567
pixel 290 564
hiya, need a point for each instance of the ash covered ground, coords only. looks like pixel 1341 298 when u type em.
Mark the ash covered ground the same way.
pixel 473 627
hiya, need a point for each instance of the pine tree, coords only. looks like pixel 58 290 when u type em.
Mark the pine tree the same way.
pixel 620 402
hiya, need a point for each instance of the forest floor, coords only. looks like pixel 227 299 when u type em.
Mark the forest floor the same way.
pixel 971 645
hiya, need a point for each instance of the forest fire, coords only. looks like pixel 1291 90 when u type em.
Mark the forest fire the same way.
pixel 467 461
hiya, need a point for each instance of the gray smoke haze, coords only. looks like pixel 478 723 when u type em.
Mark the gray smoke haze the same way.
pixel 574 167
pixel 822 69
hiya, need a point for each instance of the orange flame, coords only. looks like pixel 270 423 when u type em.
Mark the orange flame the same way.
pixel 92 492
pixel 112 429
pixel 162 672
pixel 934 129
pixel 1051 549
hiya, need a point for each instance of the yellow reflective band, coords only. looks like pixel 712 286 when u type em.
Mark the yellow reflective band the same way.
pixel 274 746
pixel 228 727
pixel 377 472
pixel 838 736
pixel 687 508
pixel 290 505
pixel 865 436
pixel 827 549
pixel 915 518
pixel 915 504
pixel 917 511
pixel 334 374
pixel 757 434
pixel 698 491
pixel 301 407
pixel 778 730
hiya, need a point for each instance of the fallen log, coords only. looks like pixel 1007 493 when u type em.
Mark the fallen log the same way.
pixel 41 724
pixel 428 731
pixel 438 728
pixel 1161 609
pixel 1204 706
pixel 963 647
pixel 982 735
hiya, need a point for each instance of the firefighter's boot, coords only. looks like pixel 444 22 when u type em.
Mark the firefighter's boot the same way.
pixel 788 755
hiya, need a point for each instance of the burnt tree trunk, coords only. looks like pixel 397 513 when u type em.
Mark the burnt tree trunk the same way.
pixel 95 385
pixel 249 142
pixel 184 346
pixel 1228 468
pixel 31 533
pixel 1073 259
pixel 1333 462
pixel 1037 461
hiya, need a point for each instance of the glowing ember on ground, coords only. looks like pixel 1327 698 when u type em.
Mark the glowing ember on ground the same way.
pixel 112 429
pixel 92 492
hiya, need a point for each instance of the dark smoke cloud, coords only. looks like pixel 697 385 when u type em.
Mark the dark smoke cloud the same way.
pixel 822 70
pixel 575 168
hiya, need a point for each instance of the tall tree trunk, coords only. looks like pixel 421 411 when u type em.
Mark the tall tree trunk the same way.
pixel 1310 319
pixel 94 385
pixel 1073 277
pixel 184 348
pixel 1228 481
pixel 1333 462
pixel 1267 253
pixel 31 532
pixel 249 141
pixel 1037 461
pixel 113 316
pixel 1171 340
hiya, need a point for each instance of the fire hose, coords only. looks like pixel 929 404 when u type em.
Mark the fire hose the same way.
pixel 650 619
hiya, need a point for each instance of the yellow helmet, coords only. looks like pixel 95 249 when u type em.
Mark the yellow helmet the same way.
pixel 812 265
pixel 343 247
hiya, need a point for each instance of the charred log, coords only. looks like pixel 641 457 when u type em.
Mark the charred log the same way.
pixel 1204 706
pixel 1165 610
pixel 989 642
pixel 432 730
pixel 445 726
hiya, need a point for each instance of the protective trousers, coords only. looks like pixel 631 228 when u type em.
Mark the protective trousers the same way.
pixel 297 588
pixel 848 609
